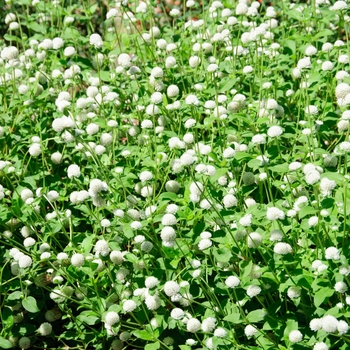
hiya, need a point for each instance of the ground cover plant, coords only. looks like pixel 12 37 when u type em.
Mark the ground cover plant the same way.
pixel 174 175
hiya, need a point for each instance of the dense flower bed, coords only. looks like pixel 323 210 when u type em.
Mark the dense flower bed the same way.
pixel 174 176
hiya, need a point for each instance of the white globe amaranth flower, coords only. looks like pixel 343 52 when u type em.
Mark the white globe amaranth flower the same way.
pixel 315 324
pixel 246 220
pixel 96 40
pixel 253 290
pixel 282 248
pixel 77 260
pixel 24 343
pixel 232 282
pixel 73 171
pixel 294 292
pixel 341 287
pixel 111 318
pixel 332 253
pixel 274 131
pixel 329 324
pixel 193 325
pixel 171 288
pixel 229 201
pixel 254 239
pixel 320 346
pixel 204 244
pixel 102 248
pixel 274 213
pixel 129 305
pixel 312 177
pixel 208 324
pixel 152 302
pixel 250 331
pixel 229 153
pixel 45 329
pixel 295 336
pixel 177 314
pixel 342 327
pixel 25 261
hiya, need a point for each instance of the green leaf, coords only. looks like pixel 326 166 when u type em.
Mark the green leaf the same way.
pixel 322 295
pixel 256 315
pixel 89 318
pixel 222 254
pixel 5 344
pixel 233 318
pixel 306 211
pixel 280 168
pixel 219 172
pixel 142 334
pixel 227 84
pixel 39 28
pixel 153 346
pixel 15 295
pixel 105 75
pixel 30 305
pixel 131 257
pixel 11 38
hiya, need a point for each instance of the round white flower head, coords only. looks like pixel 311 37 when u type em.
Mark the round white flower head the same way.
pixel 342 327
pixel 250 331
pixel 168 219
pixel 341 287
pixel 282 248
pixel 329 324
pixel 204 244
pixel 69 51
pixel 253 290
pixel 171 288
pixel 332 253
pixel 45 329
pixel 315 324
pixel 294 292
pixel 77 260
pixel 229 201
pixel 232 282
pixel 73 171
pixel 197 188
pixel 310 50
pixel 111 318
pixel 129 306
pixel 193 325
pixel 229 153
pixel 295 336
pixel 168 234
pixel 157 72
pixel 220 332
pixel 274 213
pixel 25 261
pixel 35 150
pixel 192 100
pixel 24 343
pixel 96 40
pixel 254 239
pixel 259 139
pixel 101 247
pixel 151 282
pixel 312 177
pixel 208 324
pixel 29 242
pixel 320 346
pixel 274 131
pixel 177 314
pixel 152 302
pixel 339 6
pixel 246 220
